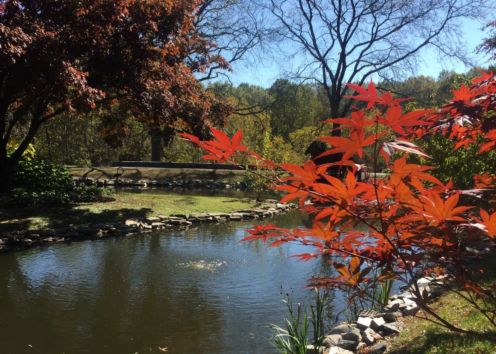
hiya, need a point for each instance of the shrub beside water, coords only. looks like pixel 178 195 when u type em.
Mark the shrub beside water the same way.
pixel 38 182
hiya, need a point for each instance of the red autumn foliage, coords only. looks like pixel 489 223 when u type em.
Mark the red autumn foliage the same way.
pixel 411 224
pixel 65 56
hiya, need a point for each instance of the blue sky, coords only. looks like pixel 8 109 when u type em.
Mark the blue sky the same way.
pixel 265 71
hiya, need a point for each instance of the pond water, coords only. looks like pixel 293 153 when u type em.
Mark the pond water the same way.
pixel 195 291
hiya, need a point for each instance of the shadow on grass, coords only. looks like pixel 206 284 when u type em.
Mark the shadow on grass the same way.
pixel 22 219
pixel 434 341
pixel 188 200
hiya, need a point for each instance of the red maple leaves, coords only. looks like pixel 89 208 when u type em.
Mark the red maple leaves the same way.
pixel 221 148
pixel 403 222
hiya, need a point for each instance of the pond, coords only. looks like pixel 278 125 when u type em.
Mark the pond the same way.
pixel 192 291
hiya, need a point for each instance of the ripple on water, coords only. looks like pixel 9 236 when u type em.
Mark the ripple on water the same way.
pixel 202 265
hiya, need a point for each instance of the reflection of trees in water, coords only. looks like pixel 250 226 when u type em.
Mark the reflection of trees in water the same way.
pixel 126 295
pixel 133 305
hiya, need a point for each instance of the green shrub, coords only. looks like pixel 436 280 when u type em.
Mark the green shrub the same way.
pixel 457 165
pixel 38 182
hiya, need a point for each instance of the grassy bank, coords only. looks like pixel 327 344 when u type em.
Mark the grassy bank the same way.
pixel 423 337
pixel 127 204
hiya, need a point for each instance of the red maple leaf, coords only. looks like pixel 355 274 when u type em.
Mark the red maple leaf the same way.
pixel 221 148
pixel 437 211
pixel 349 146
pixel 368 94
pixel 357 122
pixel 396 120
pixel 489 222
pixel 462 94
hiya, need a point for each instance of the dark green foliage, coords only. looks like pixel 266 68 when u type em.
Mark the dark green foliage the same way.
pixel 38 182
pixel 458 165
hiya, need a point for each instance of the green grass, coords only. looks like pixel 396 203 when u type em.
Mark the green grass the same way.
pixel 126 205
pixel 423 337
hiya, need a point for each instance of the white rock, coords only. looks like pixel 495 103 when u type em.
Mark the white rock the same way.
pixel 364 322
pixel 337 350
pixel 369 336
pixel 410 310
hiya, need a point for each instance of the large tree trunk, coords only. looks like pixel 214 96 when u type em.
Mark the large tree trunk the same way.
pixel 335 102
pixel 7 171
pixel 157 146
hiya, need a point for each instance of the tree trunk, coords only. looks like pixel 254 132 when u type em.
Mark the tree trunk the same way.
pixel 7 171
pixel 157 146
pixel 335 113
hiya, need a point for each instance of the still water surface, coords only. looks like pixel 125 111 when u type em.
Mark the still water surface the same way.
pixel 197 291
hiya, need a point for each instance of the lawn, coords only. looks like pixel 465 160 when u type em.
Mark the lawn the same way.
pixel 423 337
pixel 127 204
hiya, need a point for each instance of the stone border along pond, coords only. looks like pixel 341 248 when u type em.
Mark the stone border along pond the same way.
pixel 369 334
pixel 170 182
pixel 19 240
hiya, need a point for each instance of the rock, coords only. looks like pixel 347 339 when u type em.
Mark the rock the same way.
pixel 410 310
pixel 180 222
pixel 33 236
pixel 353 335
pixel 180 216
pixel 424 281
pixel 361 346
pixel 331 340
pixel 152 219
pixel 369 336
pixel 376 323
pixel 379 347
pixel 236 217
pixel 394 305
pixel 347 344
pixel 47 233
pixel 337 350
pixel 145 226
pixel 391 317
pixel 364 322
pixel 112 230
pixel 27 241
pixel 311 349
pixel 131 222
pixel 390 329
pixel 158 225
pixel 435 290
pixel 342 329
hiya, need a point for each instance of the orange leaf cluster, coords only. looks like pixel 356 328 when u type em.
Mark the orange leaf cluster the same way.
pixel 396 225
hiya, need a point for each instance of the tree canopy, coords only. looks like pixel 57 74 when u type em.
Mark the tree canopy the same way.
pixel 352 41
pixel 63 56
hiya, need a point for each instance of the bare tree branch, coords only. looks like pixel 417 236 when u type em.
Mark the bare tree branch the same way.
pixel 342 41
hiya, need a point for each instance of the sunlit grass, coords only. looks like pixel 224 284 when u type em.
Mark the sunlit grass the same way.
pixel 423 337
pixel 126 205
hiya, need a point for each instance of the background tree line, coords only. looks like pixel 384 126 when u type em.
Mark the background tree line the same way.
pixel 279 121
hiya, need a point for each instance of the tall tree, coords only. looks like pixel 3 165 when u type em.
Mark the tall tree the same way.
pixel 79 55
pixel 295 106
pixel 489 44
pixel 351 41
pixel 233 28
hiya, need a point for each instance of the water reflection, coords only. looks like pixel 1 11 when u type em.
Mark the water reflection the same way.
pixel 193 291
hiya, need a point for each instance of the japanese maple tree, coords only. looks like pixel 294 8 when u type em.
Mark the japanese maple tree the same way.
pixel 64 56
pixel 411 224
